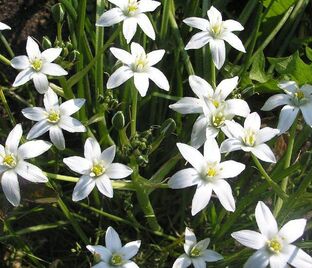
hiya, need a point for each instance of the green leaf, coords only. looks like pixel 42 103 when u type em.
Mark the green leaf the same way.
pixel 308 53
pixel 277 7
pixel 257 71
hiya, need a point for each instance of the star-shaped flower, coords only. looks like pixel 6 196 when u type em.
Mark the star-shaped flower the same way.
pixel 36 66
pixel 131 12
pixel 3 26
pixel 114 255
pixel 212 106
pixel 273 245
pixel 53 118
pixel 250 138
pixel 294 100
pixel 13 164
pixel 138 65
pixel 215 31
pixel 196 253
pixel 208 173
pixel 96 169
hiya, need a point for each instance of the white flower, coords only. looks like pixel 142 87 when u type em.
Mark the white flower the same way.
pixel 208 174
pixel 131 12
pixel 53 118
pixel 138 65
pixel 273 245
pixel 13 164
pixel 96 169
pixel 196 253
pixel 37 66
pixel 294 100
pixel 114 255
pixel 3 26
pixel 213 107
pixel 215 31
pixel 250 138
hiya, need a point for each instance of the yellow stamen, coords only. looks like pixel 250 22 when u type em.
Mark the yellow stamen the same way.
pixel 97 170
pixel 132 6
pixel 9 160
pixel 299 95
pixel 53 116
pixel 218 120
pixel 211 172
pixel 250 138
pixel 36 64
pixel 195 252
pixel 116 260
pixel 274 246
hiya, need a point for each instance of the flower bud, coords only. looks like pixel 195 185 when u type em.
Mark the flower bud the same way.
pixel 58 13
pixel 46 43
pixel 118 120
pixel 167 127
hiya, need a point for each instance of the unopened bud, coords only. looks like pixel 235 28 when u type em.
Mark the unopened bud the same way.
pixel 58 13
pixel 46 43
pixel 118 120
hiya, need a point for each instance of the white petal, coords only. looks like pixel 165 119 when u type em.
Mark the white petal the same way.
pixel 120 76
pixel 307 113
pixel 111 17
pixel 198 263
pixel 141 83
pixel 53 69
pixel 146 25
pixel 83 187
pixel 112 240
pixel 32 149
pixel 102 251
pixel 129 27
pixel 288 86
pixel 30 172
pixel 200 87
pixel 57 137
pixel 253 122
pixel 217 48
pixel 148 6
pixel 51 54
pixel 71 106
pixel 3 26
pixel 32 49
pixel 263 152
pixel 214 15
pixel 182 262
pixel 71 124
pixel 287 118
pixel 35 113
pixel 104 185
pixel 38 129
pixel 226 86
pixel 155 56
pixel 122 55
pixel 50 100
pixel 101 264
pixel 299 258
pixel 292 230
pixel 198 136
pixel 230 169
pixel 190 238
pixel 266 134
pixel 211 256
pixel 118 171
pixel 108 155
pixel 41 82
pixel 130 264
pixel 259 259
pixel 10 187
pixel 211 151
pixel 184 178
pixel 230 145
pixel 277 261
pixel 13 139
pixel 78 164
pixel 23 77
pixel 136 49
pixel 92 149
pixel 232 25
pixel 234 41
pixel 201 198
pixel 212 132
pixel 224 193
pixel 198 40
pixel 197 23
pixel 187 105
pixel 193 156
pixel 237 107
pixel 158 78
pixel 203 244
pixel 275 101
pixel 130 249
pixel 250 239
pixel 20 62
pixel 265 220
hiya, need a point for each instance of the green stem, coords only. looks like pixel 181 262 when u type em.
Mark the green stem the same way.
pixel 59 32
pixel 6 107
pixel 134 109
pixel 290 147
pixel 5 60
pixel 7 45
pixel 212 73
pixel 272 183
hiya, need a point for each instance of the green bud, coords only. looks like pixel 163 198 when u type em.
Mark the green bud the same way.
pixel 118 120
pixel 58 13
pixel 168 127
pixel 46 43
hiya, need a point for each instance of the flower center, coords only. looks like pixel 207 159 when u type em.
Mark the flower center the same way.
pixel 216 29
pixel 9 160
pixel 195 252
pixel 36 64
pixel 218 120
pixel 132 7
pixel 140 63
pixel 274 246
pixel 250 138
pixel 299 95
pixel 116 260
pixel 97 170
pixel 211 172
pixel 54 116
pixel 216 103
